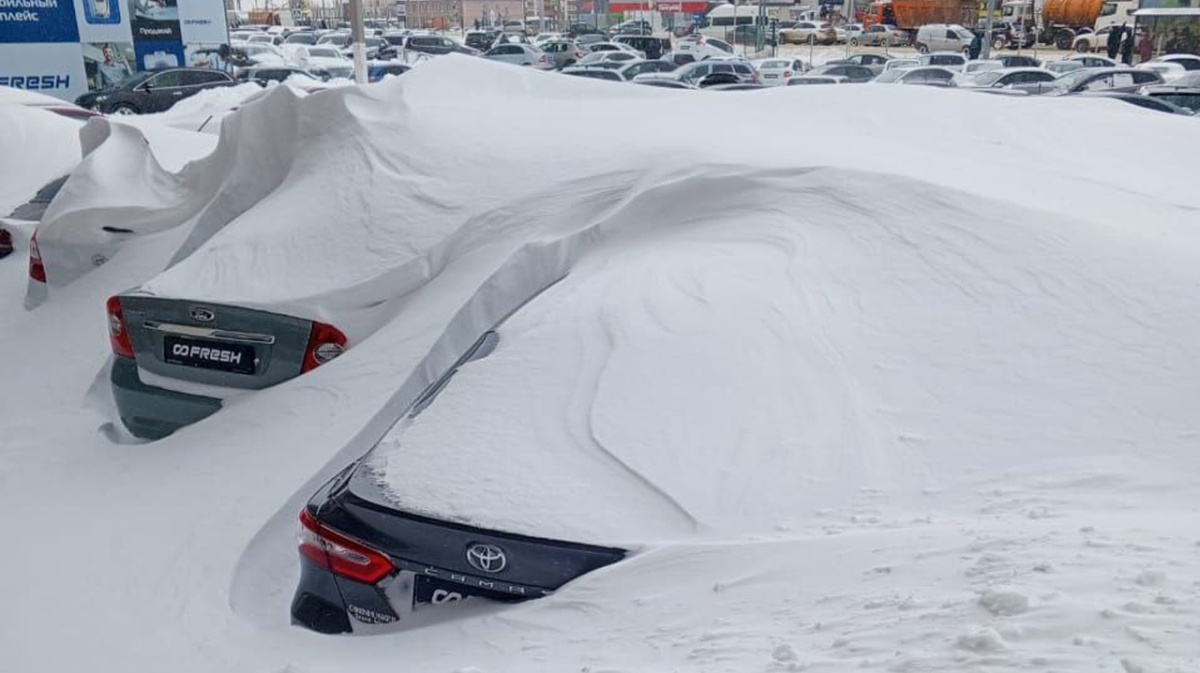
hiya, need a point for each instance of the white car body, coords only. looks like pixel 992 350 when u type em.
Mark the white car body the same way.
pixel 777 71
pixel 323 58
pixel 1093 61
pixel 973 67
pixel 1002 77
pixel 602 56
pixel 1169 70
pixel 520 54
pixel 704 47
pixel 265 54
pixel 901 63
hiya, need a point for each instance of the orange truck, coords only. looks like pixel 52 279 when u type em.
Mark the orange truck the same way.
pixel 912 14
pixel 1059 22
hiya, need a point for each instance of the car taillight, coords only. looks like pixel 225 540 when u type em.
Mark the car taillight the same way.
pixel 118 331
pixel 787 73
pixel 325 342
pixel 37 270
pixel 339 554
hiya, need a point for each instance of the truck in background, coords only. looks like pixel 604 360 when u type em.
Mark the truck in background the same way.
pixel 912 14
pixel 1060 22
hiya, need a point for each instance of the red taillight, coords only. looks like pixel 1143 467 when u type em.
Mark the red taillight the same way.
pixel 118 331
pixel 339 554
pixel 787 73
pixel 37 270
pixel 325 342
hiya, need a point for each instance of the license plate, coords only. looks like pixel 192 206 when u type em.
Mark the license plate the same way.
pixel 431 591
pixel 772 76
pixel 205 354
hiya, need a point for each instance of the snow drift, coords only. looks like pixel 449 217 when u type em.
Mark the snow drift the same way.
pixel 985 376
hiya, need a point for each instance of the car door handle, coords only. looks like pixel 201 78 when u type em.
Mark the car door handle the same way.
pixel 176 93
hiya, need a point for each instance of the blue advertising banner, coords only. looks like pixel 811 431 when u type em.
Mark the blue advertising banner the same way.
pixel 38 21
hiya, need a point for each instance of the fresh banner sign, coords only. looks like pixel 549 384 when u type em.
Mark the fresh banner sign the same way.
pixel 38 21
pixel 670 6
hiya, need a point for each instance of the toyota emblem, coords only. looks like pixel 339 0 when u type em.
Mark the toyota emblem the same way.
pixel 486 557
pixel 202 314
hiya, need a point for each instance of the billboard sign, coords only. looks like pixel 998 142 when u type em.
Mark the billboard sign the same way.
pixel 67 47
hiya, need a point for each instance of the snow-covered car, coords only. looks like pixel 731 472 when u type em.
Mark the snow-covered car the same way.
pixel 596 47
pixel 520 54
pixel 976 67
pixel 41 101
pixel 1064 66
pixel 777 71
pixel 876 62
pixel 1003 77
pixel 901 63
pixel 701 47
pixel 1127 80
pixel 267 55
pixel 693 73
pixel 1190 62
pixel 945 59
pixel 593 72
pixel 930 75
pixel 1168 70
pixel 609 56
pixel 853 73
pixel 324 60
pixel 1092 61
pixel 805 80
pixel 631 69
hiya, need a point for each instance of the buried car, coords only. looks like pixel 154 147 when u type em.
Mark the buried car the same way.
pixel 175 360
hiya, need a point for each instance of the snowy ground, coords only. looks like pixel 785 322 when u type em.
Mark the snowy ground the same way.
pixel 178 555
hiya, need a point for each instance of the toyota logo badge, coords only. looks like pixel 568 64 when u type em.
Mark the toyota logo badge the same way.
pixel 486 557
pixel 202 314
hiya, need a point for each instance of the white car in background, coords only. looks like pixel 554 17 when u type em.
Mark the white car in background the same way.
pixel 1002 77
pixel 1190 62
pixel 608 56
pixel 1093 61
pixel 701 47
pixel 520 54
pixel 777 71
pixel 976 67
pixel 266 55
pixel 321 59
pixel 1168 70
pixel 901 64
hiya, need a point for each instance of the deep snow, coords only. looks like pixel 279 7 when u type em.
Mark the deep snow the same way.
pixel 178 555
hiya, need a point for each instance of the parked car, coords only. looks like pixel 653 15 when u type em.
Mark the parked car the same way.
pixel 882 35
pixel 777 71
pixel 520 54
pixel 339 40
pixel 479 39
pixel 1168 70
pixel 257 55
pixel 162 344
pixel 631 69
pixel 153 91
pixel 1190 62
pixel 816 79
pixel 1092 61
pixel 436 45
pixel 875 62
pixel 324 60
pixel 901 63
pixel 809 32
pixel 926 75
pixel 701 47
pixel 1147 102
pixel 594 73
pixel 613 46
pixel 1018 61
pixel 1006 77
pixel 692 73
pixel 609 56
pixel 306 37
pixel 849 33
pixel 855 74
pixel 1064 66
pixel 1094 79
pixel 976 67
pixel 377 70
pixel 374 47
pixel 730 86
pixel 265 38
pixel 33 209
pixel 264 76
pixel 943 37
pixel 563 53
pixel 1187 97
pixel 947 59
pixel 664 83
pixel 652 46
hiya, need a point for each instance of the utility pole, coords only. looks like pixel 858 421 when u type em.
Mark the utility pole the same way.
pixel 358 36
pixel 986 52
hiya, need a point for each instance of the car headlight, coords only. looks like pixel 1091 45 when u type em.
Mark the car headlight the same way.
pixel 99 99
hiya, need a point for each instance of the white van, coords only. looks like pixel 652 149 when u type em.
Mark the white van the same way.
pixel 720 22
pixel 942 37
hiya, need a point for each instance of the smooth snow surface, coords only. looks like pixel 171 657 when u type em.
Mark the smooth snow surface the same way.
pixel 36 146
pixel 875 378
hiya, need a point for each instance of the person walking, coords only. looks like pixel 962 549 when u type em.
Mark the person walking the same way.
pixel 976 46
pixel 1145 47
pixel 1127 47
pixel 1114 42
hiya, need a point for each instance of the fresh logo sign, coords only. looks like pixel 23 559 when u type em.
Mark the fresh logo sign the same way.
pixel 36 82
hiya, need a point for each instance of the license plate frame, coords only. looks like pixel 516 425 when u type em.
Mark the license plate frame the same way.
pixel 207 354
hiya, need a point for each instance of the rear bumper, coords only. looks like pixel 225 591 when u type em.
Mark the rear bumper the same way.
pixel 150 412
